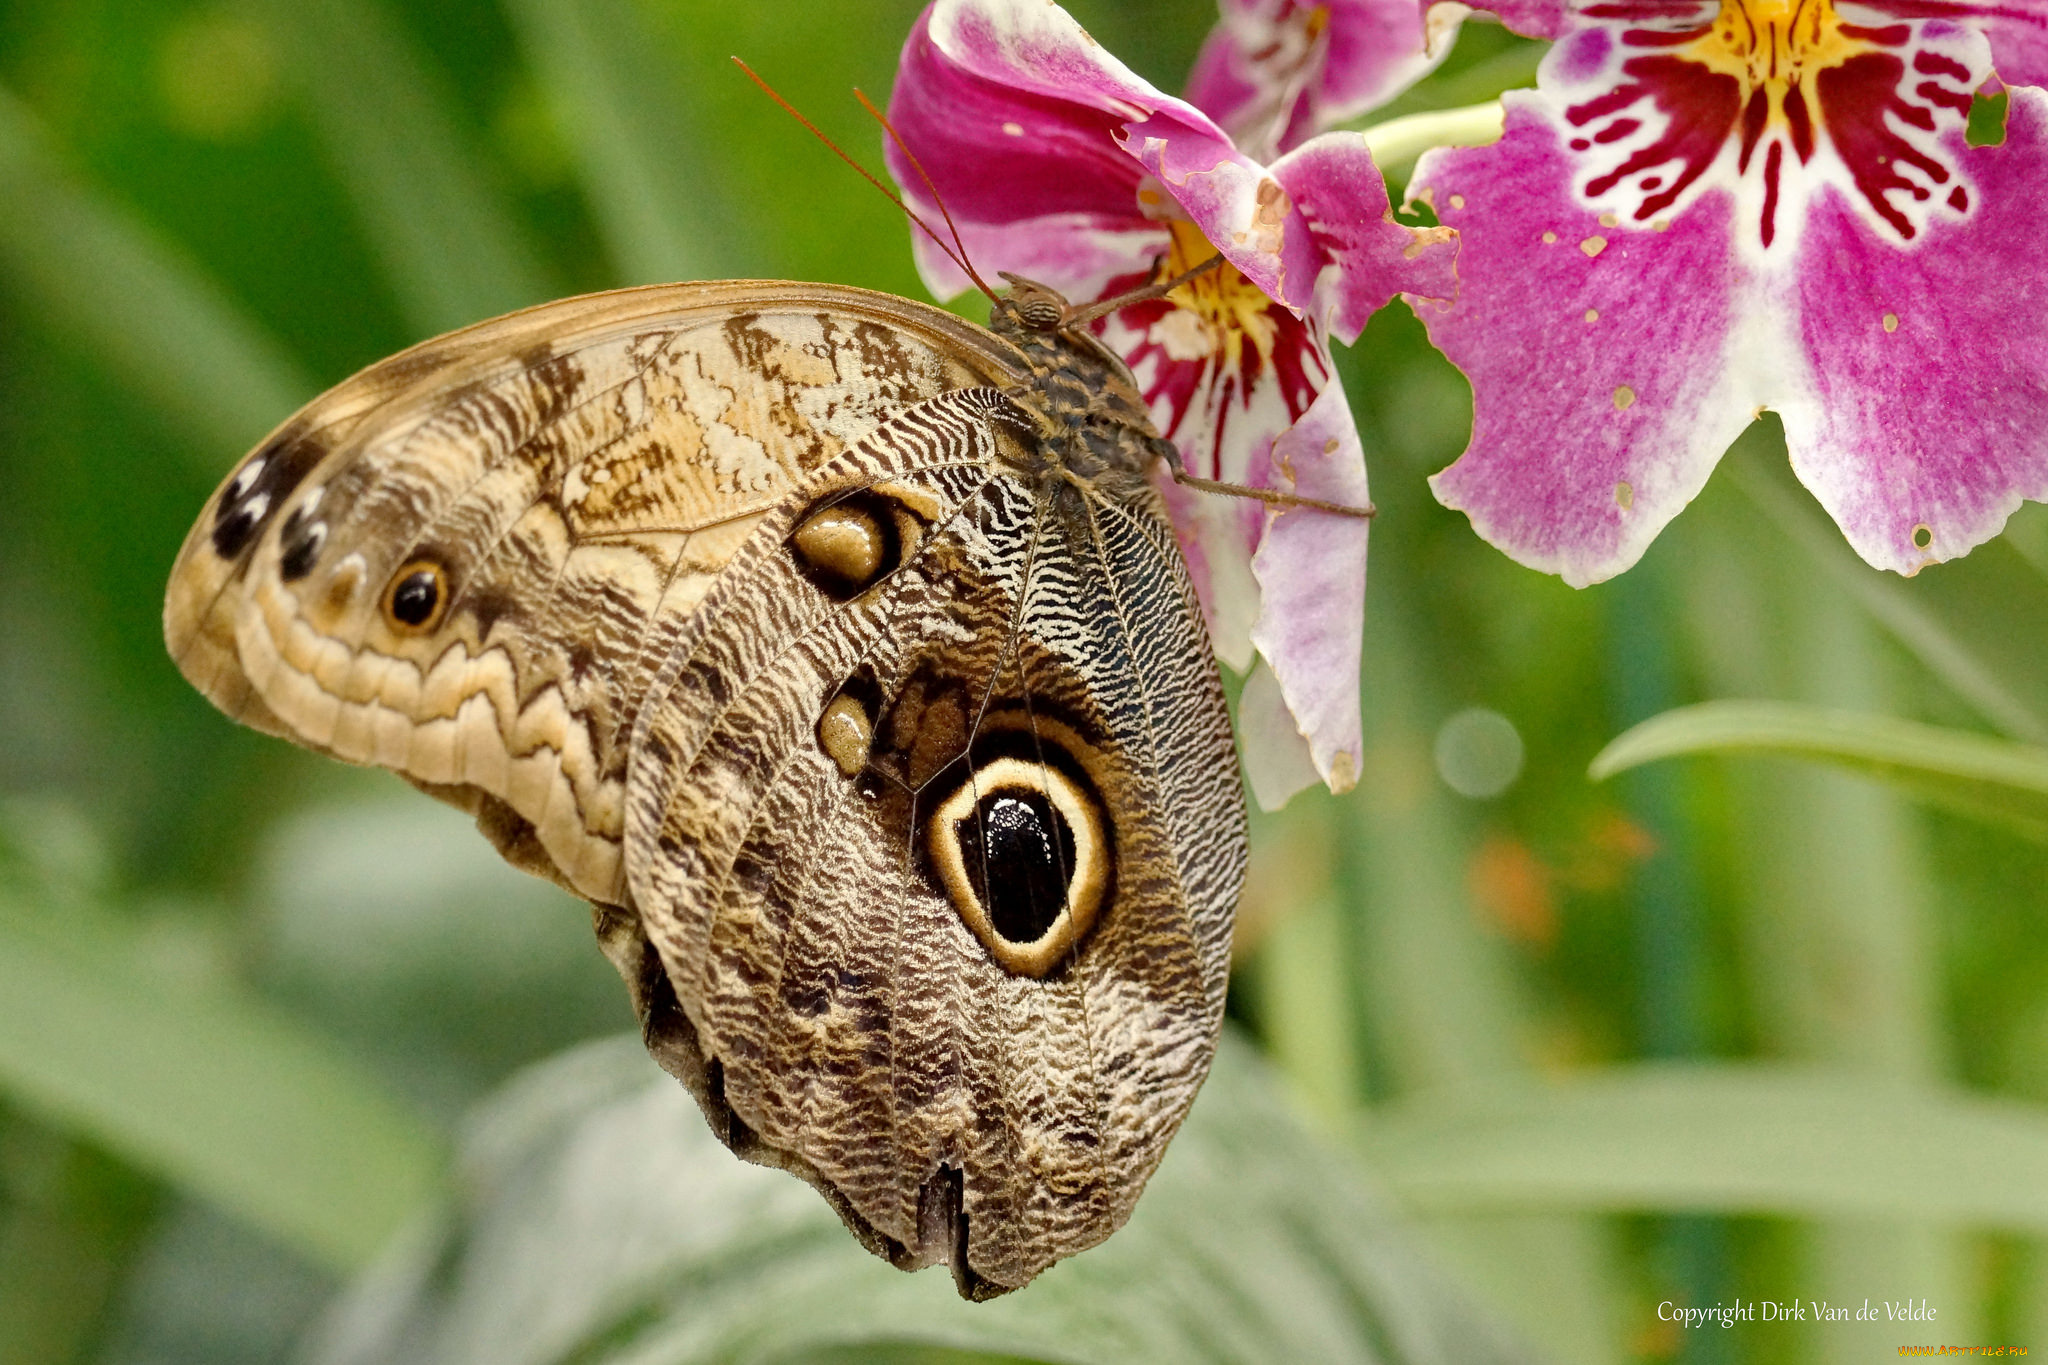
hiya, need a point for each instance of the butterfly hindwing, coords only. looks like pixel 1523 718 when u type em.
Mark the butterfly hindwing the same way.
pixel 889 1002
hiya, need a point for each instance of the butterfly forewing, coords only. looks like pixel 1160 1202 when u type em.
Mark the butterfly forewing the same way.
pixel 560 487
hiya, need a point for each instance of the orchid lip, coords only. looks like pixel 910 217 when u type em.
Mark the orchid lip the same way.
pixel 1773 100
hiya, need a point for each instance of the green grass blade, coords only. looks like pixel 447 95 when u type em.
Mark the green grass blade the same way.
pixel 103 280
pixel 1993 779
pixel 1785 1141
pixel 205 1086
pixel 445 236
pixel 640 152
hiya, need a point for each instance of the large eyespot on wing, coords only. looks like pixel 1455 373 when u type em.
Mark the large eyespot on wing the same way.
pixel 818 841
pixel 1021 841
pixel 463 564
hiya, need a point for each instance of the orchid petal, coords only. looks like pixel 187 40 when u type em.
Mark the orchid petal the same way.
pixel 1277 762
pixel 1222 377
pixel 1310 567
pixel 1368 257
pixel 1548 19
pixel 2018 30
pixel 1003 150
pixel 1078 253
pixel 1214 542
pixel 1237 204
pixel 1609 369
pixel 1817 242
pixel 1929 418
pixel 1275 72
pixel 1018 113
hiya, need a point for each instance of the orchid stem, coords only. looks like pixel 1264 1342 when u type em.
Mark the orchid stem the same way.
pixel 1398 142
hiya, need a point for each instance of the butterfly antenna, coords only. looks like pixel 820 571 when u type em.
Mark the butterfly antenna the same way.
pixel 865 174
pixel 1272 497
pixel 1081 317
pixel 937 198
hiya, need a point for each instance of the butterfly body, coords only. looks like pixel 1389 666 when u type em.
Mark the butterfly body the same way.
pixel 839 653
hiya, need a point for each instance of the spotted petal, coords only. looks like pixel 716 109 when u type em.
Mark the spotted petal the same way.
pixel 1364 257
pixel 1686 234
pixel 1609 369
pixel 1928 417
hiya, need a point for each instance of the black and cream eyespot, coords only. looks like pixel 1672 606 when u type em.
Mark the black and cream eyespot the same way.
pixel 238 521
pixel 258 488
pixel 417 597
pixel 245 479
pixel 1023 851
pixel 301 539
pixel 849 542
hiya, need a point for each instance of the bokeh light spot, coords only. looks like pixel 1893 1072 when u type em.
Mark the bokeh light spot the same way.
pixel 1478 753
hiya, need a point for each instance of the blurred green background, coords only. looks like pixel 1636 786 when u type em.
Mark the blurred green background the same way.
pixel 1718 1029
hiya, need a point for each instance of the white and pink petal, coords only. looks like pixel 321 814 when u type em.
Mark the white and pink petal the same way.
pixel 1928 419
pixel 2018 30
pixel 1610 368
pixel 1001 151
pixel 1310 568
pixel 1366 257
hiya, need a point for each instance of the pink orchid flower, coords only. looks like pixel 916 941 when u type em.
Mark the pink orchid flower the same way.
pixel 1277 72
pixel 1707 208
pixel 1061 165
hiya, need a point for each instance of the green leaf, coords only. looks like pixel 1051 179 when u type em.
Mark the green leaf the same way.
pixel 444 235
pixel 104 280
pixel 1920 631
pixel 642 157
pixel 202 1083
pixel 602 1222
pixel 1781 1140
pixel 1992 779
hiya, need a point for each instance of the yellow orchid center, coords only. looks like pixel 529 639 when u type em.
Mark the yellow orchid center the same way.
pixel 1216 312
pixel 1776 48
pixel 1774 41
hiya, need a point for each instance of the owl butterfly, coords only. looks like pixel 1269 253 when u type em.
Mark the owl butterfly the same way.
pixel 839 653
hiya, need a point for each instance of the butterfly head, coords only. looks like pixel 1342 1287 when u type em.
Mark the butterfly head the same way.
pixel 1028 306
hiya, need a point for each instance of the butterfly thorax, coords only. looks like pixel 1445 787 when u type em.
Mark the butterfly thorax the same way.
pixel 1093 427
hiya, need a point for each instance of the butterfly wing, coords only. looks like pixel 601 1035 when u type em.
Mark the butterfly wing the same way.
pixel 934 822
pixel 466 562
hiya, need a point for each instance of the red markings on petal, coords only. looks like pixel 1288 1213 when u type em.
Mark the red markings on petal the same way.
pixel 1934 64
pixel 1800 122
pixel 1774 162
pixel 1891 35
pixel 1756 115
pixel 1854 99
pixel 1702 107
pixel 1958 100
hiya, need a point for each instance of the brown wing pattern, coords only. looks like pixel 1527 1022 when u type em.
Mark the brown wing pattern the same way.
pixel 960 1099
pixel 465 562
